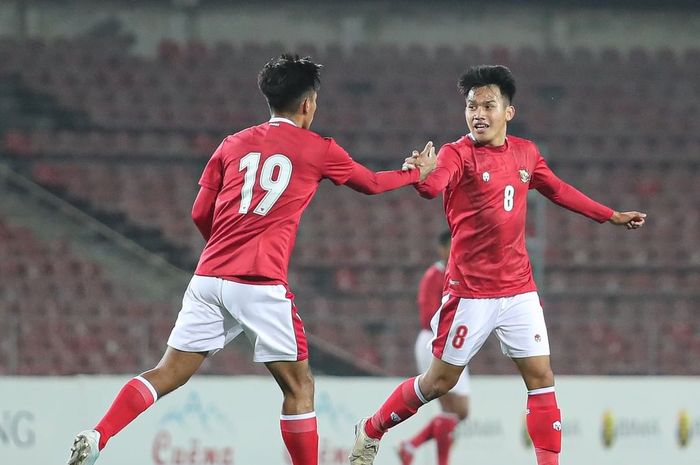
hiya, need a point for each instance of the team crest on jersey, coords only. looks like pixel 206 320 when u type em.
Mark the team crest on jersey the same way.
pixel 524 175
pixel 486 176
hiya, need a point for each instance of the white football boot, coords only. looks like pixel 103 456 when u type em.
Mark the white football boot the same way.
pixel 365 448
pixel 85 448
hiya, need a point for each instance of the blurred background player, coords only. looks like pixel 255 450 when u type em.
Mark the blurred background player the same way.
pixel 455 404
pixel 254 190
pixel 484 178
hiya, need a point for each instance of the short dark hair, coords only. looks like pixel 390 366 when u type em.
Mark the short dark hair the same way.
pixel 485 75
pixel 445 238
pixel 285 79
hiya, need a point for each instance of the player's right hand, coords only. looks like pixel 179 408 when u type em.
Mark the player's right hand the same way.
pixel 426 160
pixel 631 220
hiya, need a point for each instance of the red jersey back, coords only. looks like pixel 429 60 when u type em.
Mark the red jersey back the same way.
pixel 265 176
pixel 430 292
pixel 485 201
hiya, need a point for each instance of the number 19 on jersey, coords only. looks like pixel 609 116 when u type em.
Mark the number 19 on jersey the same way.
pixel 273 187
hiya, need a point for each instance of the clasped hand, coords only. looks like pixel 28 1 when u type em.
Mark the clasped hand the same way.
pixel 424 161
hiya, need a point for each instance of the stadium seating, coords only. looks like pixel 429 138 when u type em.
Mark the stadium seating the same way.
pixel 616 303
pixel 62 315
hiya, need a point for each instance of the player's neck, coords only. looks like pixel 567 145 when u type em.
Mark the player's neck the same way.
pixel 296 119
pixel 498 141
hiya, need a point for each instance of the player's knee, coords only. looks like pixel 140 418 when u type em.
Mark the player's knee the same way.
pixel 301 387
pixel 308 386
pixel 438 386
pixel 539 377
pixel 546 377
pixel 462 412
pixel 457 405
pixel 165 381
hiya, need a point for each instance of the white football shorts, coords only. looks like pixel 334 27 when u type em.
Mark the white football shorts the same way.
pixel 215 311
pixel 424 357
pixel 461 326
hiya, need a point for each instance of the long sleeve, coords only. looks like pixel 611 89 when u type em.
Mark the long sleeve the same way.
pixel 368 182
pixel 429 295
pixel 203 211
pixel 565 195
pixel 449 167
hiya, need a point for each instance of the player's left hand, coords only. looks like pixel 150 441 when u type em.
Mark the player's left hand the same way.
pixel 410 162
pixel 413 162
pixel 631 220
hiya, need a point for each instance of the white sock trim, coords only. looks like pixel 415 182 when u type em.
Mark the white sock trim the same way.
pixel 150 387
pixel 299 416
pixel 416 388
pixel 539 391
pixel 449 415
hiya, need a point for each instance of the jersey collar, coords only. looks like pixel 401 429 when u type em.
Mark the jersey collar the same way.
pixel 279 119
pixel 500 148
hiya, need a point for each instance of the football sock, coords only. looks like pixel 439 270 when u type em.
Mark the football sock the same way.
pixel 402 404
pixel 445 425
pixel 544 425
pixel 300 435
pixel 133 399
pixel 406 451
pixel 425 434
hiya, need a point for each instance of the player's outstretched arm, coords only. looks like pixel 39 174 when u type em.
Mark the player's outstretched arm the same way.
pixel 203 211
pixel 368 182
pixel 448 166
pixel 630 220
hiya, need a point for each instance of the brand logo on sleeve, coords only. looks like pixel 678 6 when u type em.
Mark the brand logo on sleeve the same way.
pixel 486 176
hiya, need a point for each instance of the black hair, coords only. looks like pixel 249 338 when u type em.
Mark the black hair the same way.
pixel 484 75
pixel 445 238
pixel 285 79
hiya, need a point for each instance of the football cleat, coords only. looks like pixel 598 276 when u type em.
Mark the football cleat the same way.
pixel 85 448
pixel 365 448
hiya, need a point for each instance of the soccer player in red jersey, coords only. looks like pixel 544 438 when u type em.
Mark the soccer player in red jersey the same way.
pixel 254 190
pixel 484 178
pixel 455 404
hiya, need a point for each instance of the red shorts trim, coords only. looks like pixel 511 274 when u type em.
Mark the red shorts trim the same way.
pixel 447 314
pixel 299 331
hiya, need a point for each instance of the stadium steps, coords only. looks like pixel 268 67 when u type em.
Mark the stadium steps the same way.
pixel 50 217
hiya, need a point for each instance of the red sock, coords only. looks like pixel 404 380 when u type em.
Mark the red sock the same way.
pixel 300 435
pixel 402 404
pixel 444 437
pixel 425 434
pixel 546 457
pixel 544 425
pixel 135 397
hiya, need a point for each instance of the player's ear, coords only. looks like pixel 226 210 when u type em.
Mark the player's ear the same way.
pixel 510 112
pixel 305 105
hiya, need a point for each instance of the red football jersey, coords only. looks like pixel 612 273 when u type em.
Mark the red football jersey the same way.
pixel 430 292
pixel 265 176
pixel 485 200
